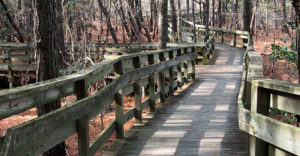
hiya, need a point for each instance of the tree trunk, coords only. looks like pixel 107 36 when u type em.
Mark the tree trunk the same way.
pixel 179 21
pixel 188 9
pixel 206 19
pixel 220 14
pixel 123 18
pixel 163 24
pixel 152 7
pixel 213 13
pixel 174 19
pixel 247 17
pixel 235 13
pixel 48 48
pixel 194 22
pixel 252 23
pixel 296 4
pixel 284 28
pixel 20 35
pixel 109 25
pixel 60 34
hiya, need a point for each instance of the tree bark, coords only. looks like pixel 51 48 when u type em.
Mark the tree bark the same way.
pixel 188 9
pixel 163 24
pixel 123 18
pixel 20 35
pixel 206 19
pixel 109 25
pixel 179 20
pixel 284 28
pixel 60 34
pixel 220 13
pixel 213 13
pixel 174 18
pixel 48 49
pixel 247 17
pixel 194 22
pixel 296 4
pixel 235 13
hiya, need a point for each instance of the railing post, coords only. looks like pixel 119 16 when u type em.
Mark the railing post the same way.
pixel 193 65
pixel 138 94
pixel 171 75
pixel 10 72
pixel 83 122
pixel 162 80
pixel 234 40
pixel 179 71
pixel 152 101
pixel 260 103
pixel 185 68
pixel 119 115
pixel 118 67
pixel 222 37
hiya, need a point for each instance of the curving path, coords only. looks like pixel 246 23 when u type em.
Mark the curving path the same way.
pixel 201 120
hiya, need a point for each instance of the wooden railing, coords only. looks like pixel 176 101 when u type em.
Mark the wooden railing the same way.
pixel 135 71
pixel 267 136
pixel 257 95
pixel 223 36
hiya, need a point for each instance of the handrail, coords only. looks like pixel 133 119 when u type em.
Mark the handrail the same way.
pixel 136 71
pixel 256 96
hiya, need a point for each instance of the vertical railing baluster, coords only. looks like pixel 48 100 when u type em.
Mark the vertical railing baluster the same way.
pixel 118 67
pixel 185 68
pixel 193 65
pixel 119 115
pixel 83 122
pixel 222 37
pixel 179 71
pixel 260 103
pixel 152 100
pixel 234 39
pixel 171 75
pixel 162 80
pixel 138 94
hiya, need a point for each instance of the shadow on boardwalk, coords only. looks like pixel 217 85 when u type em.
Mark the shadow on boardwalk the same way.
pixel 201 120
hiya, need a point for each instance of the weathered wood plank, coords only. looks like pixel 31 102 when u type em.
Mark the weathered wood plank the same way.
pixel 99 141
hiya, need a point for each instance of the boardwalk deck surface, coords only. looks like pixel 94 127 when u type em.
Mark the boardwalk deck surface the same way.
pixel 201 120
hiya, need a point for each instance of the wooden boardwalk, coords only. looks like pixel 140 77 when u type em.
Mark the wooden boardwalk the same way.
pixel 202 120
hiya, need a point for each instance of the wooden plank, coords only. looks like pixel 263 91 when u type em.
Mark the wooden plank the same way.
pixel 128 89
pixel 138 102
pixel 280 134
pixel 83 122
pixel 152 100
pixel 277 85
pixel 162 80
pixel 285 102
pixel 101 139
pixel 119 115
pixel 273 151
pixel 144 81
pixel 128 115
